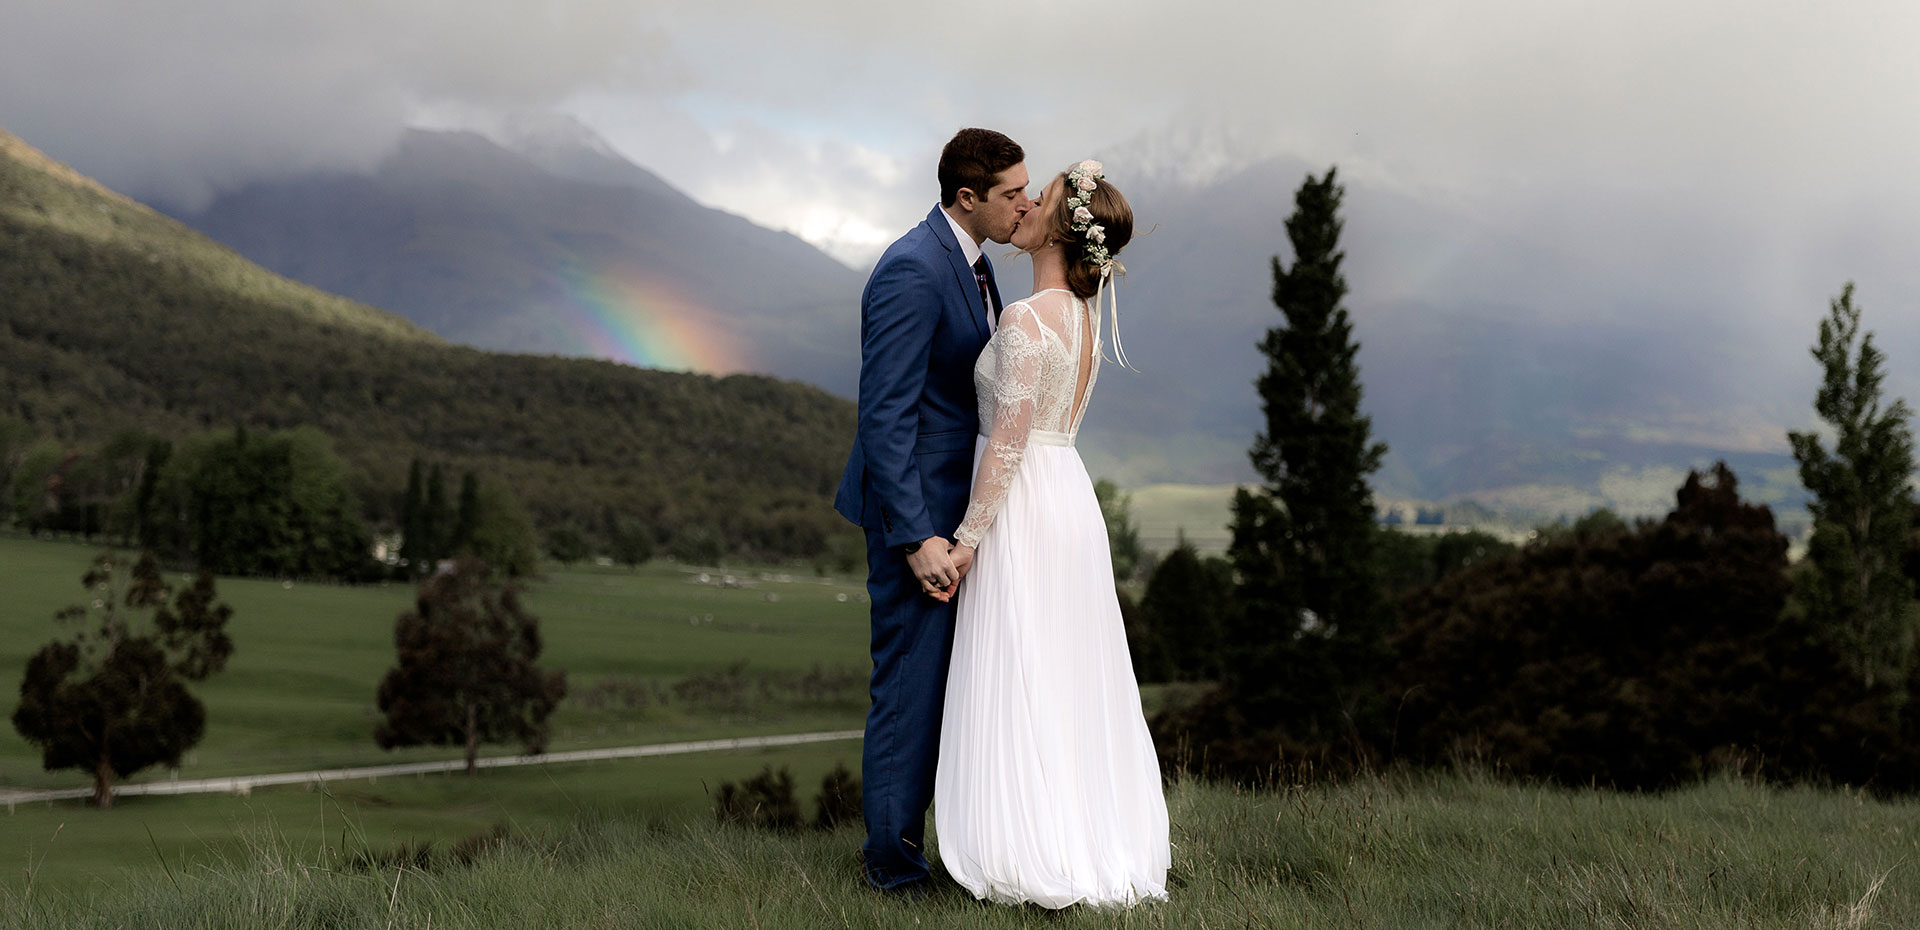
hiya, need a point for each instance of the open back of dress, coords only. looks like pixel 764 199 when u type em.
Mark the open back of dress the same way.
pixel 1034 383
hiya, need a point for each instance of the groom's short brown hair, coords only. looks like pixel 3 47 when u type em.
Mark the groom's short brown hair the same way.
pixel 972 159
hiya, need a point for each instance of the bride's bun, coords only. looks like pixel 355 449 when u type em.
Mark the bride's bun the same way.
pixel 1110 211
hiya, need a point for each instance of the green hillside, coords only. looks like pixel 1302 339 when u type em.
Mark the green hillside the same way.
pixel 117 317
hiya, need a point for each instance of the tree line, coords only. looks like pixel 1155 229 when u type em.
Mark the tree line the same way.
pixel 1638 654
pixel 243 502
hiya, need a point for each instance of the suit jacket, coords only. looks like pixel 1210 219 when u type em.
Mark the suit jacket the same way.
pixel 922 327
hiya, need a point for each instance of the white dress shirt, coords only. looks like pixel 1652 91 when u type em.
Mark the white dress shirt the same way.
pixel 971 250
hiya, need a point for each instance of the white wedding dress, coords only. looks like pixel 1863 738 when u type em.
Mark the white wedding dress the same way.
pixel 1048 790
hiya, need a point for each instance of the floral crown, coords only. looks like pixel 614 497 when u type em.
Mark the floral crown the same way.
pixel 1082 179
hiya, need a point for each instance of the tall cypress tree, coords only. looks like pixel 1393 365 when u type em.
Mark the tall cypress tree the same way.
pixel 1861 505
pixel 412 510
pixel 468 516
pixel 434 519
pixel 1308 639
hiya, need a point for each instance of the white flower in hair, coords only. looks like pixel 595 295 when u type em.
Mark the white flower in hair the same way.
pixel 1083 178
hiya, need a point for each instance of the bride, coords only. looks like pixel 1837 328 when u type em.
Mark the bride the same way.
pixel 1048 789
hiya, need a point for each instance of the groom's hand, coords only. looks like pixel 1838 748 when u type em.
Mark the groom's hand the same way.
pixel 932 565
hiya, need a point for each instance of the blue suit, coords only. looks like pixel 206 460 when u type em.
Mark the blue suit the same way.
pixel 922 327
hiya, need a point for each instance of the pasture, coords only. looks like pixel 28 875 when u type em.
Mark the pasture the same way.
pixel 647 655
pixel 1398 852
pixel 655 656
pixel 652 656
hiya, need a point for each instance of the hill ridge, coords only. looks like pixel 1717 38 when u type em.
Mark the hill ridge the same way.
pixel 16 149
pixel 37 190
pixel 116 318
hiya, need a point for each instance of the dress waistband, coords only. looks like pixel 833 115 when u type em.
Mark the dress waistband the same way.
pixel 1047 437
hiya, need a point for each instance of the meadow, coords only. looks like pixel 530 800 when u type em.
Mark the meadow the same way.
pixel 299 691
pixel 1396 852
pixel 653 655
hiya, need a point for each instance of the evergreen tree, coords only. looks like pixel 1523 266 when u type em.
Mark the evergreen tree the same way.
pixel 1185 611
pixel 435 525
pixel 123 468
pixel 110 699
pixel 15 438
pixel 412 511
pixel 148 516
pixel 1123 537
pixel 1857 590
pixel 1308 634
pixel 466 670
pixel 467 519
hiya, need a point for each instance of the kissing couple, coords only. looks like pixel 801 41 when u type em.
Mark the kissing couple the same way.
pixel 1003 693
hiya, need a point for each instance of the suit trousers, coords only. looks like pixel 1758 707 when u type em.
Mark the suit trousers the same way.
pixel 912 642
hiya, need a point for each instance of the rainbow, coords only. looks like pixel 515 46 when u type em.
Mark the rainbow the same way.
pixel 630 317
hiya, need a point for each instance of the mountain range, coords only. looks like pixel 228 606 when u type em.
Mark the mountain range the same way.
pixel 553 243
pixel 561 249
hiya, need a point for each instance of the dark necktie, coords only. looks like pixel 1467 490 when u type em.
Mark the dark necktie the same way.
pixel 980 273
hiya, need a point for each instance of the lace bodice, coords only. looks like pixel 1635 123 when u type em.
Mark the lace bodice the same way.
pixel 1027 380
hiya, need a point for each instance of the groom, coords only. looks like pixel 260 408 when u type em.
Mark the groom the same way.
pixel 924 319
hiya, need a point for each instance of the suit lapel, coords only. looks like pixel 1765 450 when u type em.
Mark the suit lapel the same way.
pixel 962 272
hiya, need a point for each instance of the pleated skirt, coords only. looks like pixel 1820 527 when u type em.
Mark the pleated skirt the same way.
pixel 1048 790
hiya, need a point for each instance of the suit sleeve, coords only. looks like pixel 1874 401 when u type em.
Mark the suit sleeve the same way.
pixel 896 343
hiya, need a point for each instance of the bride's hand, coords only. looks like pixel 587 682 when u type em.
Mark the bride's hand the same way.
pixel 962 560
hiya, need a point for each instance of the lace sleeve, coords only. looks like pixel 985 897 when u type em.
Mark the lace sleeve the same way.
pixel 1017 353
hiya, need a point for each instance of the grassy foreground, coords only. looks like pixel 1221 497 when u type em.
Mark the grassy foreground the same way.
pixel 73 850
pixel 1395 852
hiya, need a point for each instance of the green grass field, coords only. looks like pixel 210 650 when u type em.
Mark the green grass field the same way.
pixel 73 849
pixel 633 843
pixel 299 692
pixel 1393 853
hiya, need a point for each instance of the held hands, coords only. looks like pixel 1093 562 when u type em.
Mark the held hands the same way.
pixel 937 569
pixel 962 562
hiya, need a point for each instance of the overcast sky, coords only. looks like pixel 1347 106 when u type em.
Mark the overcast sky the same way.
pixel 1604 125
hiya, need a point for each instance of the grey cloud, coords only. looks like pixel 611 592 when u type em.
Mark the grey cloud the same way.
pixel 1741 156
pixel 174 100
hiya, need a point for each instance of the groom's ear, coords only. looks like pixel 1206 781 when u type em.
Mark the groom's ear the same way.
pixel 966 199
